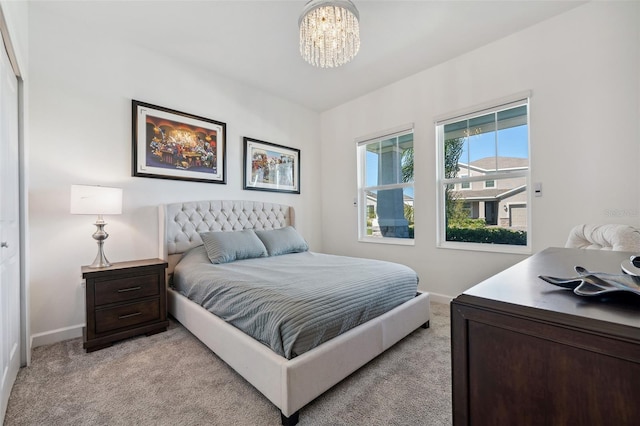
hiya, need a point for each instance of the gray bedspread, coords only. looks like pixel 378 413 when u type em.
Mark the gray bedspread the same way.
pixel 294 302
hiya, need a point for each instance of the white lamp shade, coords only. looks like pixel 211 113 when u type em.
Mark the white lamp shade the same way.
pixel 87 199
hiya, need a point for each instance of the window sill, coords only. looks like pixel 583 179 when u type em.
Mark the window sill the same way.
pixel 394 241
pixel 491 248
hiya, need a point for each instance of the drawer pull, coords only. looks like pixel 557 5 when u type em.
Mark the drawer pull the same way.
pixel 123 290
pixel 130 315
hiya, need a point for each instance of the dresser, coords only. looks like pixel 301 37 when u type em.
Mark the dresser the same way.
pixel 124 300
pixel 525 352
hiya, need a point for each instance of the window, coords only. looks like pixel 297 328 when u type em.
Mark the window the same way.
pixel 490 147
pixel 385 188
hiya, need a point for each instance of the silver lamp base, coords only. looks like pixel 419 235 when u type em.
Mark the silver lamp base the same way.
pixel 100 235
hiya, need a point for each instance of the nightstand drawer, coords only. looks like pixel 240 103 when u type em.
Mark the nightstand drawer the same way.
pixel 127 315
pixel 123 289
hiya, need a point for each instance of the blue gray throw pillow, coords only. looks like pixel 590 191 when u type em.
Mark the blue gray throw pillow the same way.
pixel 225 247
pixel 283 241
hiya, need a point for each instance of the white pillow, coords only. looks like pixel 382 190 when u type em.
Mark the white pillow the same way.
pixel 283 241
pixel 225 247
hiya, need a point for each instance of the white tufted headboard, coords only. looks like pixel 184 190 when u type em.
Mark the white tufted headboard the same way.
pixel 181 223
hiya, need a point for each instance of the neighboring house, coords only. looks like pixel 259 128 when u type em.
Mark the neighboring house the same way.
pixel 501 202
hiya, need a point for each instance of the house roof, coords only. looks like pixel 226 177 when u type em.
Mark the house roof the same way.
pixel 488 164
pixel 489 194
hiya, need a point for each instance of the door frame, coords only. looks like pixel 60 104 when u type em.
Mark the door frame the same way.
pixel 25 328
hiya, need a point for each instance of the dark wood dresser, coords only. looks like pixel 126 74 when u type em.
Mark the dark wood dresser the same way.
pixel 525 352
pixel 124 300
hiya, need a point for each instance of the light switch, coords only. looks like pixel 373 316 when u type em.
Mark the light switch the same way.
pixel 537 189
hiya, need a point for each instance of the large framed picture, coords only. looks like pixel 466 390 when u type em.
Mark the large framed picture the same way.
pixel 271 167
pixel 169 144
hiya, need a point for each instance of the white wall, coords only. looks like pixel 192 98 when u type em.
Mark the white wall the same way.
pixel 82 85
pixel 583 70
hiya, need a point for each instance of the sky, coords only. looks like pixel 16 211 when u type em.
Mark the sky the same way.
pixel 511 142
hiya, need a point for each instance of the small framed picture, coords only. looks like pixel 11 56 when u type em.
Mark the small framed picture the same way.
pixel 271 167
pixel 169 144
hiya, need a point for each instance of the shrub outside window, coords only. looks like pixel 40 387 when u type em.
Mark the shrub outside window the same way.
pixel 486 151
pixel 385 188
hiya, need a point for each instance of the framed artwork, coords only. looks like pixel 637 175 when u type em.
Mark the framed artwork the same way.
pixel 169 144
pixel 271 167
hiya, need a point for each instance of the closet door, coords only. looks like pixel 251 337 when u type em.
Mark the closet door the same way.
pixel 9 231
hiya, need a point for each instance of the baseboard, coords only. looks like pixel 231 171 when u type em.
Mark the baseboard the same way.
pixel 74 331
pixel 55 336
pixel 440 298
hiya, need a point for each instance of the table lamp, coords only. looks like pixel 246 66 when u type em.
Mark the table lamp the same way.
pixel 97 200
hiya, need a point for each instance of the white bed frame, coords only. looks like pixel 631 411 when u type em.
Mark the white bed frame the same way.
pixel 288 384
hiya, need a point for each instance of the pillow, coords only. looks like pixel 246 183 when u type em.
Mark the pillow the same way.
pixel 283 241
pixel 225 247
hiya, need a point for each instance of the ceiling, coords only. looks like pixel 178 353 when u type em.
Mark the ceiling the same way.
pixel 256 42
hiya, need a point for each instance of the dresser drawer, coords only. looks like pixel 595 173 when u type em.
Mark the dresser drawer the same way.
pixel 123 289
pixel 127 315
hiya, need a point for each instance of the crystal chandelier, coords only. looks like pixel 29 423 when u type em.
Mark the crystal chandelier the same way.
pixel 329 32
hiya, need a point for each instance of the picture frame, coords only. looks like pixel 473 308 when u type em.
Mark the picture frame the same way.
pixel 170 144
pixel 270 167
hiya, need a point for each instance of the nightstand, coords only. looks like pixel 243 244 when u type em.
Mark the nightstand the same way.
pixel 124 300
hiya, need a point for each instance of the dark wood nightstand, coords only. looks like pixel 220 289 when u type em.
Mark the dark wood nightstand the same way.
pixel 124 300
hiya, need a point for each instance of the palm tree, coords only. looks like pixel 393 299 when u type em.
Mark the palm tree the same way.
pixel 452 152
pixel 407 176
pixel 407 165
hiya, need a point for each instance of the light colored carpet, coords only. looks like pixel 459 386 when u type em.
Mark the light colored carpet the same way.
pixel 172 379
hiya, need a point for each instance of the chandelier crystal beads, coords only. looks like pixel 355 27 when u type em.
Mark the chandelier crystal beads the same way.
pixel 329 32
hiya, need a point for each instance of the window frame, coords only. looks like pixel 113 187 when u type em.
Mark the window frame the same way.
pixel 514 101
pixel 362 211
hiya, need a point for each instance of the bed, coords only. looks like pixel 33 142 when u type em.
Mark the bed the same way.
pixel 289 379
